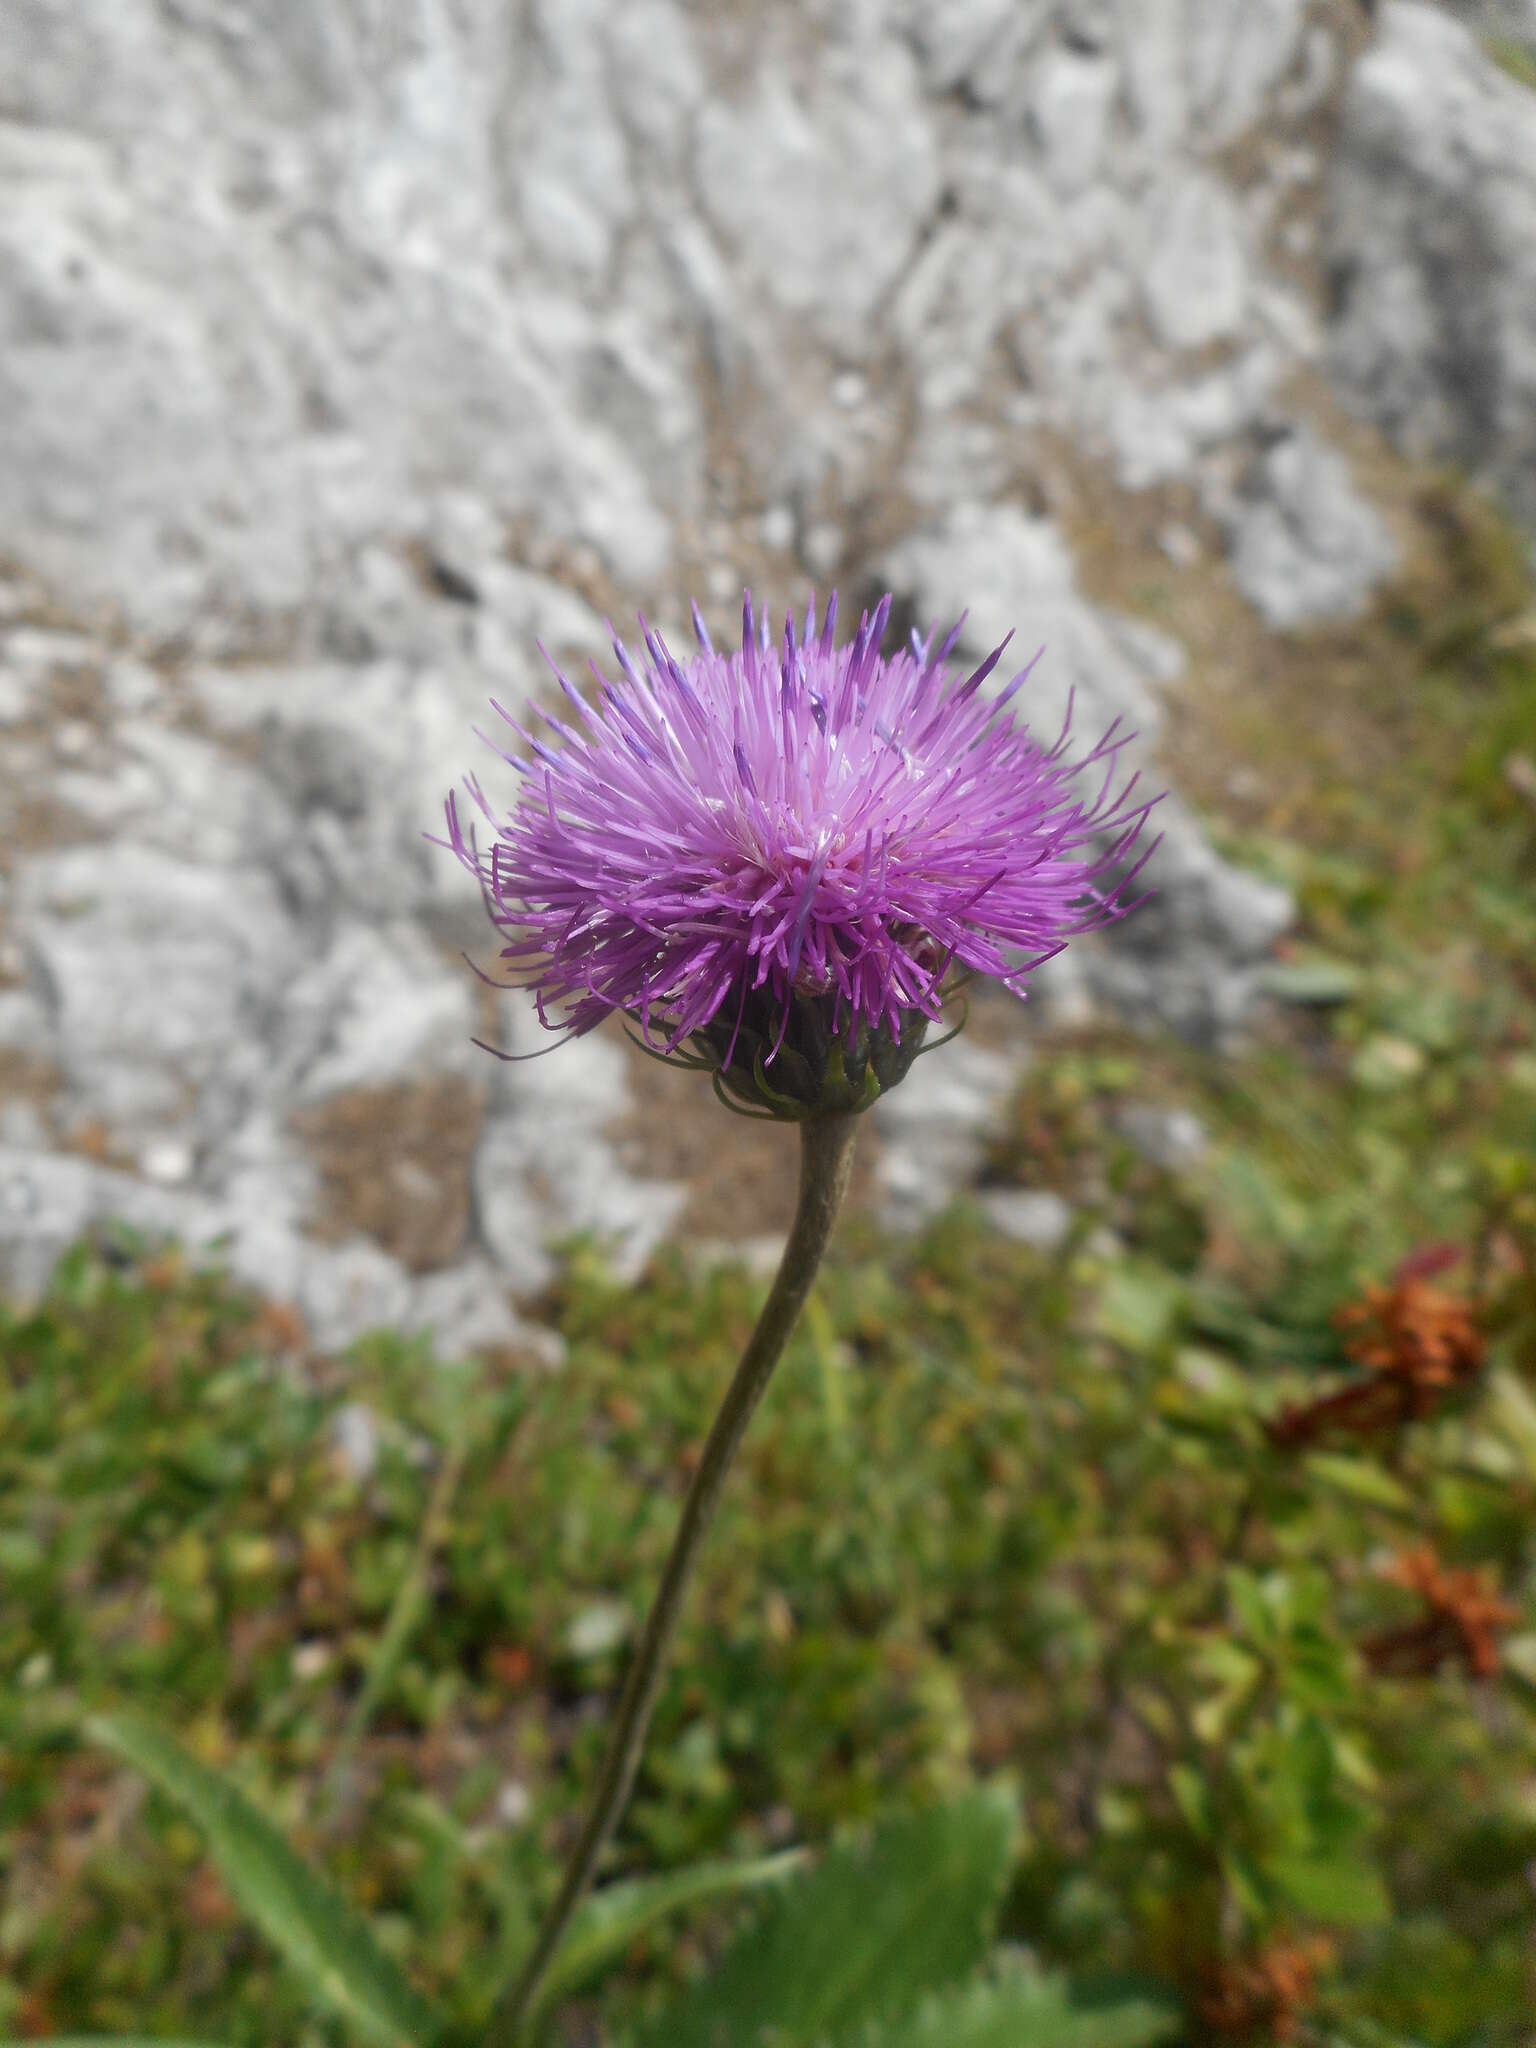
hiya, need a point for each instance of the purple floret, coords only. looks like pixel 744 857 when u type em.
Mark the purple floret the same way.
pixel 793 821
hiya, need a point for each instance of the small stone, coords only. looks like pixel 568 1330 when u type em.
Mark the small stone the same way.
pixel 850 388
pixel 780 1828
pixel 822 550
pixel 599 1629
pixel 1180 543
pixel 168 1161
pixel 132 687
pixel 1032 1216
pixel 759 1256
pixel 40 654
pixel 1070 106
pixel 346 1291
pixel 1384 1063
pixel 310 1660
pixel 36 1672
pixel 512 1220
pixel 514 1803
pixel 15 698
pixel 778 1617
pixel 355 1440
pixel 73 739
pixel 465 1310
pixel 776 528
pixel 1174 1139
pixel 1298 237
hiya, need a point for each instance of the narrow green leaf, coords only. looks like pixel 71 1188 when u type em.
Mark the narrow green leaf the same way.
pixel 1512 1411
pixel 328 1944
pixel 1138 1306
pixel 1316 982
pixel 1362 1480
pixel 1021 2010
pixel 612 1918
pixel 863 1938
pixel 484 1858
pixel 1192 1796
pixel 406 1609
pixel 1519 1656
pixel 1361 2032
pixel 1335 1888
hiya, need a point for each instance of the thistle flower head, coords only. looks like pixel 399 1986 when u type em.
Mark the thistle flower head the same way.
pixel 771 859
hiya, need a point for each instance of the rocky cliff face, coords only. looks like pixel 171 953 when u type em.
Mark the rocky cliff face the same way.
pixel 1432 250
pixel 347 349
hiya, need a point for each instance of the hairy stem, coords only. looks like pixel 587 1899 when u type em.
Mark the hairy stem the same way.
pixel 825 1159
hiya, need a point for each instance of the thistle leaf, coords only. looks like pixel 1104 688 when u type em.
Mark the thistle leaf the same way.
pixel 1018 2009
pixel 863 1938
pixel 611 1919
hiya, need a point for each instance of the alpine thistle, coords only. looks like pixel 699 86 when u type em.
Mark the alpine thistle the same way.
pixel 773 860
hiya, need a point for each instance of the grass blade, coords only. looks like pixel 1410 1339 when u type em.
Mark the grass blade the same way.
pixel 328 1944
pixel 870 1932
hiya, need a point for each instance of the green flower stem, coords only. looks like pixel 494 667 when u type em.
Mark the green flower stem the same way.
pixel 825 1160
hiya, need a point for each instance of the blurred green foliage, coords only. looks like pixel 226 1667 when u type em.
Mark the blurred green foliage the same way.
pixel 1514 57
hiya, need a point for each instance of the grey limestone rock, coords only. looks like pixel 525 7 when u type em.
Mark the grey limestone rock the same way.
pixel 1432 243
pixel 378 1006
pixel 159 975
pixel 934 1129
pixel 1194 273
pixel 1174 1139
pixel 822 194
pixel 546 1169
pixel 1306 546
pixel 1201 70
pixel 1011 571
pixel 346 352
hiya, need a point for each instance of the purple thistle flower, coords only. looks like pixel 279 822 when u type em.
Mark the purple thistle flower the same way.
pixel 780 853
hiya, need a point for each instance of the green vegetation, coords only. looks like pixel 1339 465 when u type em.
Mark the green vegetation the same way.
pixel 1513 57
pixel 1006 1516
